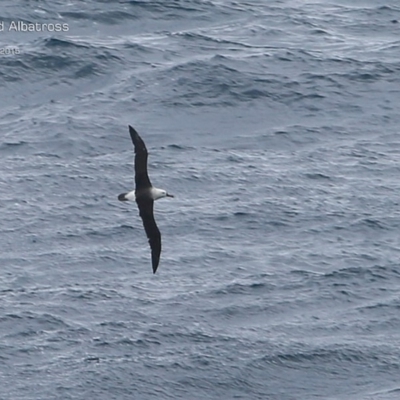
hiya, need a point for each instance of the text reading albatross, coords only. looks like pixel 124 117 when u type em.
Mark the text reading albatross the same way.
pixel 21 26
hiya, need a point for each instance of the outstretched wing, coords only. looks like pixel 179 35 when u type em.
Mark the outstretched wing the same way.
pixel 153 234
pixel 142 180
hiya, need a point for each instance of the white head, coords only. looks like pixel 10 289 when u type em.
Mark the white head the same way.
pixel 159 193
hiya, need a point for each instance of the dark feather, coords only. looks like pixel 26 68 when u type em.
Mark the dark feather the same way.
pixel 142 180
pixel 153 234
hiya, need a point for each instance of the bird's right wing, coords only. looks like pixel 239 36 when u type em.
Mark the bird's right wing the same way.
pixel 153 234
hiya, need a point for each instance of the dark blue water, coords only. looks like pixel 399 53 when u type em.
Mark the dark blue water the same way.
pixel 276 126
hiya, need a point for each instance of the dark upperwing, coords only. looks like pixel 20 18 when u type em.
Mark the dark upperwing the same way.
pixel 142 180
pixel 153 234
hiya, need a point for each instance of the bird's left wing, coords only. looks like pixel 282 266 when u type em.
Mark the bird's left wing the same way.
pixel 141 177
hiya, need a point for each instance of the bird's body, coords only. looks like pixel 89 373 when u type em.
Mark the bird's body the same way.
pixel 153 193
pixel 145 195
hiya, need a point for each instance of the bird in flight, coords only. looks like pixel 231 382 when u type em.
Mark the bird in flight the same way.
pixel 145 194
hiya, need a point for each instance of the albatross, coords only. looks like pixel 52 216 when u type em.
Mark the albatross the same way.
pixel 145 194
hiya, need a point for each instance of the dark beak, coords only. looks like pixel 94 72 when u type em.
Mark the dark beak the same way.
pixel 122 197
pixel 170 195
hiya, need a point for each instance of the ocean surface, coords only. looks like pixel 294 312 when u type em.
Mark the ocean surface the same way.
pixel 276 125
